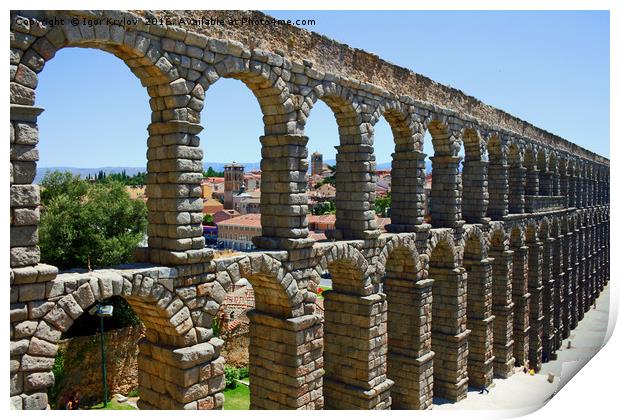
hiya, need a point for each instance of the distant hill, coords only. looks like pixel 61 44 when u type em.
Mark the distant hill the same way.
pixel 132 170
pixel 84 172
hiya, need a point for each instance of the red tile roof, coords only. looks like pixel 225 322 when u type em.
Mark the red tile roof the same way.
pixel 251 219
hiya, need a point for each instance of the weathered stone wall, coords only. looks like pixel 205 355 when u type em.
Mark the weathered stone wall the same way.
pixel 82 364
pixel 485 225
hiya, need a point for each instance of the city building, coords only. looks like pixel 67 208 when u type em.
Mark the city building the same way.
pixel 233 180
pixel 237 233
pixel 316 167
pixel 252 181
pixel 247 201
pixel 224 214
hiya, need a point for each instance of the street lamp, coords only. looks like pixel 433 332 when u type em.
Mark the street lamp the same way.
pixel 103 311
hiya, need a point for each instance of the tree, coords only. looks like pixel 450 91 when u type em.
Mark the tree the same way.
pixel 212 173
pixel 88 225
pixel 324 207
pixel 382 204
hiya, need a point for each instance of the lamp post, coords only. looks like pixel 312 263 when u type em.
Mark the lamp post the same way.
pixel 103 311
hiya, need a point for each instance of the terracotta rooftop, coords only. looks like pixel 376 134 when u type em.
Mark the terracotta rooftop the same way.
pixel 251 219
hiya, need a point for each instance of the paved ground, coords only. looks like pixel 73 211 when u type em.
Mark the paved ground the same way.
pixel 522 393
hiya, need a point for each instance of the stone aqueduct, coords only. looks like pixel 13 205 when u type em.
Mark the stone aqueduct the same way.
pixel 517 251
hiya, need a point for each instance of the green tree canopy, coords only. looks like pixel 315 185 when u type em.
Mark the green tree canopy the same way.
pixel 382 205
pixel 88 225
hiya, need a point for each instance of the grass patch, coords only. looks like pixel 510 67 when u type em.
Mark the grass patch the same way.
pixel 113 405
pixel 238 398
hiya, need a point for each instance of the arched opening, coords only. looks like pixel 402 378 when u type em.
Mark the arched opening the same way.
pixel 169 326
pixel 564 181
pixel 567 245
pixel 560 287
pixel 232 179
pixel 93 211
pixel 445 207
pixel 503 306
pixel 355 338
pixel 449 332
pixel 255 305
pixel 574 270
pixel 531 178
pixel 497 179
pixel 545 175
pixel 322 132
pixel 409 358
pixel 401 190
pixel 548 292
pixel 475 176
pixel 355 169
pixel 535 288
pixel 516 180
pixel 555 174
pixel 479 311
pixel 520 295
pixel 429 152
pixel 77 366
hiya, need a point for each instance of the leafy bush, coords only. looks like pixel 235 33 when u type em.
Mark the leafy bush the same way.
pixel 88 225
pixel 232 375
pixel 207 220
pixel 244 372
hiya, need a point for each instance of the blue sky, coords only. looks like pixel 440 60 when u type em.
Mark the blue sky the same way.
pixel 549 68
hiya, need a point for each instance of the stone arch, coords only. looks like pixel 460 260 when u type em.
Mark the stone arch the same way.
pixel 172 116
pixel 474 144
pixel 176 330
pixel 564 179
pixel 271 91
pixel 559 277
pixel 276 291
pixel 355 161
pixel 408 322
pixel 497 177
pixel 555 173
pixel 542 159
pixel 531 232
pixel 407 191
pixel 284 155
pixel 445 141
pixel 347 111
pixel 479 308
pixel 275 331
pixel 475 197
pixel 496 149
pixel 535 289
pixel 516 179
pixel 401 123
pixel 498 240
pixel 517 235
pixel 399 250
pixel 531 180
pixel 353 306
pixel 449 332
pixel 548 283
pixel 352 271
pixel 503 306
pixel 445 207
pixel 475 244
pixel 520 294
